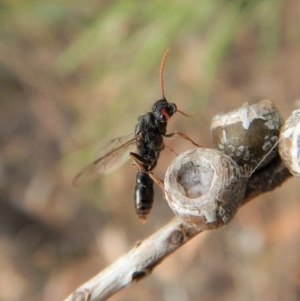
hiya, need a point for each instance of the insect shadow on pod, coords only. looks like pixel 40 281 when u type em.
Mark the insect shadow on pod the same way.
pixel 148 141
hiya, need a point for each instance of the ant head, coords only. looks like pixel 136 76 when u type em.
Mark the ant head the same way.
pixel 163 110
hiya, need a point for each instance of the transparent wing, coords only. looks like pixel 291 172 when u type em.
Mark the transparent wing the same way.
pixel 112 157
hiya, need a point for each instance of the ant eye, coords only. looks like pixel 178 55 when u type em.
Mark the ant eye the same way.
pixel 154 107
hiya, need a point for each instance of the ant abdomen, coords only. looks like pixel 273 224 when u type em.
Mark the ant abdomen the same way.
pixel 143 195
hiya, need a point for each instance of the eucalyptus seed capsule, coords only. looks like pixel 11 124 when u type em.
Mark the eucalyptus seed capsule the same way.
pixel 289 144
pixel 248 134
pixel 204 187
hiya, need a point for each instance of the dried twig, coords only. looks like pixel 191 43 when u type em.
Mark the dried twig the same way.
pixel 145 255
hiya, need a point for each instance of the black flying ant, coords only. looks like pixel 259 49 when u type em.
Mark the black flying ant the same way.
pixel 148 140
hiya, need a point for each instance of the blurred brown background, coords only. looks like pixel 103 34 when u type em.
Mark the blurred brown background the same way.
pixel 75 74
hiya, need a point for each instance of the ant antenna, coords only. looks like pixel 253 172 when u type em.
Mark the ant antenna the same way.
pixel 188 115
pixel 161 72
pixel 161 76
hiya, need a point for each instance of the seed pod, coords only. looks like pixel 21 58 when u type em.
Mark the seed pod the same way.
pixel 248 134
pixel 289 144
pixel 204 187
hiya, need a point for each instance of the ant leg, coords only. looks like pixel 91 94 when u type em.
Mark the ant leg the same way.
pixel 159 182
pixel 182 136
pixel 139 161
pixel 171 149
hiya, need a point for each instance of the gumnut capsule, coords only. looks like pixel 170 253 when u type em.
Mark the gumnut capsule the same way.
pixel 289 143
pixel 204 187
pixel 249 133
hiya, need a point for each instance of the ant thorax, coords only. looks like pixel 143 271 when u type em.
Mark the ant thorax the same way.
pixel 149 133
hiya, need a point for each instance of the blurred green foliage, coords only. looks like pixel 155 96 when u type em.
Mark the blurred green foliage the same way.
pixel 129 37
